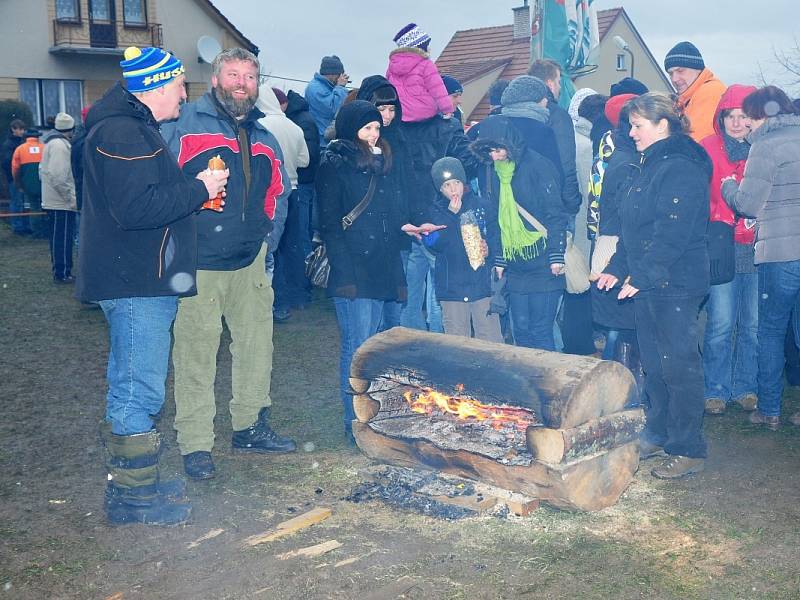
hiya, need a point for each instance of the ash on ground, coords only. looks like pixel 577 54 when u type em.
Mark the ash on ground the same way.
pixel 416 491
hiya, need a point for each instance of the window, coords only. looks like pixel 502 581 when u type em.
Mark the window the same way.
pixel 68 11
pixel 48 97
pixel 621 62
pixel 134 13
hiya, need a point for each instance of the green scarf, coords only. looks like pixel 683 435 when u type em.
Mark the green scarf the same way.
pixel 518 241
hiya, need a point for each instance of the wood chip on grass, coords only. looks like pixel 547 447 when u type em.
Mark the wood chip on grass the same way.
pixel 291 526
pixel 311 551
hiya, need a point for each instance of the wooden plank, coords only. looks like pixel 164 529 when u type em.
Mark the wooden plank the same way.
pixel 211 534
pixel 479 504
pixel 311 551
pixel 291 526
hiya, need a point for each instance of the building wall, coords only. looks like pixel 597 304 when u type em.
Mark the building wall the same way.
pixel 475 90
pixel 607 73
pixel 31 27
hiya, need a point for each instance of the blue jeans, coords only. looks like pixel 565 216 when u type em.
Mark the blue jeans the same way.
pixel 533 316
pixel 358 321
pixel 291 286
pixel 17 205
pixel 419 266
pixel 730 347
pixel 305 200
pixel 138 358
pixel 779 292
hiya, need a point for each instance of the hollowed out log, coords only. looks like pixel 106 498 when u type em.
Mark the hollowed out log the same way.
pixel 563 390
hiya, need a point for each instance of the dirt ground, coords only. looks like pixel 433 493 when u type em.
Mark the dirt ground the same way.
pixel 732 532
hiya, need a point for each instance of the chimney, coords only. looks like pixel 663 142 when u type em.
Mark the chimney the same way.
pixel 522 21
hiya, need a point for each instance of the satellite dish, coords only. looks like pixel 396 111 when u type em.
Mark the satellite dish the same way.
pixel 207 49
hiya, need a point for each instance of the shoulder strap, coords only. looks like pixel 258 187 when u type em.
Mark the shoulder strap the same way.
pixel 532 220
pixel 359 208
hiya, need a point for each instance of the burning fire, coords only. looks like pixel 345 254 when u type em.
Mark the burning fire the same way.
pixel 429 401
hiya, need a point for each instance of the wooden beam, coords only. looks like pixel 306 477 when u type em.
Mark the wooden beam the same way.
pixel 291 526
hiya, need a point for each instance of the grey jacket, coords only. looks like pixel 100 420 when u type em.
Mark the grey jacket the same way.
pixel 770 189
pixel 55 171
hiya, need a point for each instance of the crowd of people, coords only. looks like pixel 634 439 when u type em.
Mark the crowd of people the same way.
pixel 191 214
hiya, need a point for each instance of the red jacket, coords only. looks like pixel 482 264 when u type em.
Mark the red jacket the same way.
pixel 723 167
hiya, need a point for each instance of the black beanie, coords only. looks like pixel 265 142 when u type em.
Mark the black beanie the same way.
pixel 628 85
pixel 496 91
pixel 331 65
pixel 684 54
pixel 353 116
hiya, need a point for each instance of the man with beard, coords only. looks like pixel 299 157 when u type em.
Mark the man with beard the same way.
pixel 231 280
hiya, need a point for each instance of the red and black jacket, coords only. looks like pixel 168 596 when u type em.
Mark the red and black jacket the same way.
pixel 257 189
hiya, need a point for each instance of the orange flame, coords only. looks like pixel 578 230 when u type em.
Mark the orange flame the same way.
pixel 428 401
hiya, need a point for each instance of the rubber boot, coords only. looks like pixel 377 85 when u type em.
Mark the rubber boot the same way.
pixel 132 494
pixel 172 488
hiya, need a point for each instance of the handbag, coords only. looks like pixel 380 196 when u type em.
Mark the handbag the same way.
pixel 721 252
pixel 576 271
pixel 318 268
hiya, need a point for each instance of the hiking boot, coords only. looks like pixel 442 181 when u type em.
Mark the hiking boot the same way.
pixel 715 406
pixel 677 466
pixel 198 465
pixel 649 450
pixel 758 418
pixel 747 402
pixel 795 419
pixel 260 437
pixel 134 493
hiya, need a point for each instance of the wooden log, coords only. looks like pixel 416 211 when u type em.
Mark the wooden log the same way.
pixel 563 390
pixel 358 385
pixel 289 527
pixel 590 484
pixel 365 407
pixel 596 435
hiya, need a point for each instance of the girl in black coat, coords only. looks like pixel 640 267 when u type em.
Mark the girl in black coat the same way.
pixel 364 256
pixel 531 258
pixel 662 262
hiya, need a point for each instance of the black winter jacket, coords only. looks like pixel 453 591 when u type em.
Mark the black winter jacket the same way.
pixel 536 188
pixel 7 154
pixel 76 161
pixel 564 130
pixel 137 230
pixel 425 142
pixel 297 111
pixel 365 258
pixel 622 166
pixel 663 245
pixel 454 278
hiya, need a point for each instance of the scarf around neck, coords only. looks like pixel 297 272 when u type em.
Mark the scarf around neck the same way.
pixel 517 240
pixel 735 149
pixel 528 110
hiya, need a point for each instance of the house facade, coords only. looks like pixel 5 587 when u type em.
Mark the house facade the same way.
pixel 66 53
pixel 479 57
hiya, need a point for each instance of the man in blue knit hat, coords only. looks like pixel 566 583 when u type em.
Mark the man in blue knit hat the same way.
pixel 138 255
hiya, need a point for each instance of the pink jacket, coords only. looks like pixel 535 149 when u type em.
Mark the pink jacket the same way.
pixel 419 86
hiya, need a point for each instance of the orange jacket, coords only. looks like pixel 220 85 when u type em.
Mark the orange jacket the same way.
pixel 699 103
pixel 25 162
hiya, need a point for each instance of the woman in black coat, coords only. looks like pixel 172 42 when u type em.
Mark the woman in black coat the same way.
pixel 364 255
pixel 662 262
pixel 531 258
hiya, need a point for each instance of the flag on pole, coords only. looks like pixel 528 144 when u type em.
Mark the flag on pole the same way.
pixel 567 32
